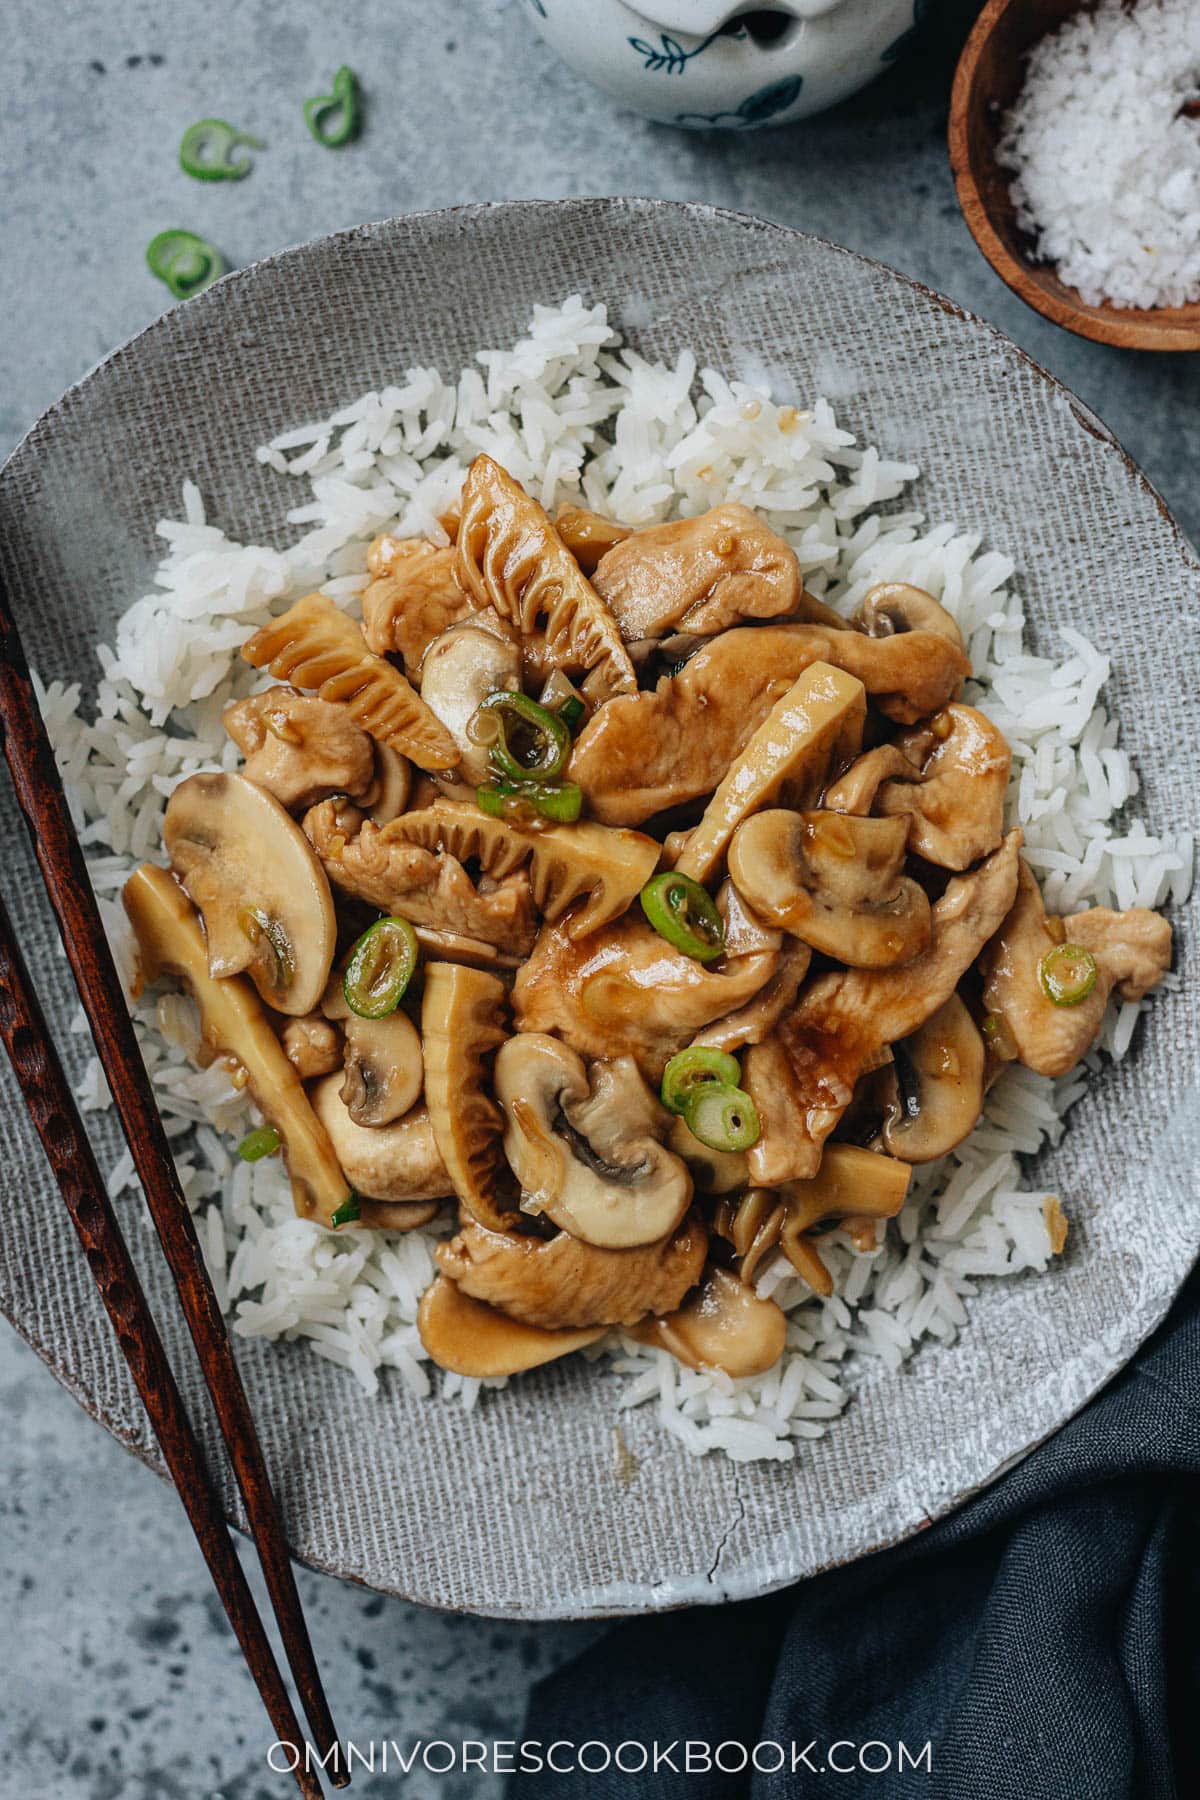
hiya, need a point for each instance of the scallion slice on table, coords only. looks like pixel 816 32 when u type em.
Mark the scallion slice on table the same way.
pixel 335 119
pixel 693 1068
pixel 208 151
pixel 683 912
pixel 522 802
pixel 262 1141
pixel 347 1213
pixel 185 262
pixel 1067 974
pixel 722 1117
pixel 380 968
pixel 524 741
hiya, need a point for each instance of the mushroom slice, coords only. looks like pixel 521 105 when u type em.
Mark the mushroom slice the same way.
pixel 699 575
pixel 802 1078
pixel 315 645
pixel 430 887
pixel 1132 952
pixel 850 1184
pixel 412 599
pixel 835 882
pixel 817 724
pixel 468 1338
pixel 298 748
pixel 384 1068
pixel 644 753
pixel 462 1025
pixel 854 791
pixel 510 557
pixel 625 991
pixel 932 1090
pixel 391 786
pixel 723 1326
pixel 588 1152
pixel 396 1162
pixel 265 899
pixel 461 668
pixel 561 1281
pixel 954 798
pixel 752 1224
pixel 606 869
pixel 234 1024
pixel 587 535
pixel 895 607
pixel 312 1045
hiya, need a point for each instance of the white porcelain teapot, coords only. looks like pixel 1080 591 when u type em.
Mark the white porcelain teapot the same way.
pixel 723 63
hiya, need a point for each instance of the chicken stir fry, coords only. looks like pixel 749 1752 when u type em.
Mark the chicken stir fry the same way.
pixel 607 887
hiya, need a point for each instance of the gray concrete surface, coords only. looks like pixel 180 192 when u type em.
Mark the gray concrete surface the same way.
pixel 121 1681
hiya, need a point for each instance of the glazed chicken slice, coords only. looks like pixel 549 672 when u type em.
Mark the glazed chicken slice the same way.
pixel 699 575
pixel 954 799
pixel 560 1281
pixel 802 1078
pixel 299 748
pixel 413 598
pixel 624 991
pixel 644 753
pixel 1132 952
pixel 427 887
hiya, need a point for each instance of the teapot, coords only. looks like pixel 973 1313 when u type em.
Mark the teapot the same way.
pixel 705 64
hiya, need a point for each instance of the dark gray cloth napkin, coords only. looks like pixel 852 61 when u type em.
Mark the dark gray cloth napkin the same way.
pixel 1044 1640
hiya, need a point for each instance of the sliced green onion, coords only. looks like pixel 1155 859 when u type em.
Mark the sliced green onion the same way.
pixel 1067 974
pixel 380 968
pixel 681 911
pixel 525 740
pixel 346 102
pixel 571 712
pixel 263 1141
pixel 347 1212
pixel 561 698
pixel 696 1067
pixel 207 151
pixel 722 1117
pixel 523 802
pixel 266 934
pixel 186 263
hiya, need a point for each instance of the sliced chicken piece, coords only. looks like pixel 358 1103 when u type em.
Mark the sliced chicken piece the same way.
pixel 1132 951
pixel 413 599
pixel 954 800
pixel 802 1078
pixel 559 1281
pixel 312 1045
pixel 854 791
pixel 644 753
pixel 699 575
pixel 587 535
pixel 510 558
pixel 624 991
pixel 300 749
pixel 427 887
pixel 751 1023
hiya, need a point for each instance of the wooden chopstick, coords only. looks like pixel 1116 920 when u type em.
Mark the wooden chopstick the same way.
pixel 40 795
pixel 53 1110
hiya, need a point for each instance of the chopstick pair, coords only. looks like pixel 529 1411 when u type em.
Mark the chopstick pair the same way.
pixel 54 1112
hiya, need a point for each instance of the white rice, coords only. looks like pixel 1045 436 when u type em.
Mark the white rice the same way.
pixel 573 414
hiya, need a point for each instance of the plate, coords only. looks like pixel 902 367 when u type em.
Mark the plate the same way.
pixel 517 1509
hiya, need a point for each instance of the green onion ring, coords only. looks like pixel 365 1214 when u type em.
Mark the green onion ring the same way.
pixel 698 1066
pixel 262 1141
pixel 722 1117
pixel 206 151
pixel 681 911
pixel 530 742
pixel 519 802
pixel 185 262
pixel 345 100
pixel 1067 974
pixel 347 1213
pixel 380 968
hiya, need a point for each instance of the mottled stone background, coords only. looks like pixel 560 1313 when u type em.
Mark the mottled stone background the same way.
pixel 122 1682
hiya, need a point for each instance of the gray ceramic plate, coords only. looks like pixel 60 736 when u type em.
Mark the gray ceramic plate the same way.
pixel 517 1509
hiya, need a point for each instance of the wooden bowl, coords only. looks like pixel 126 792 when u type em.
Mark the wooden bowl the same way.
pixel 990 72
